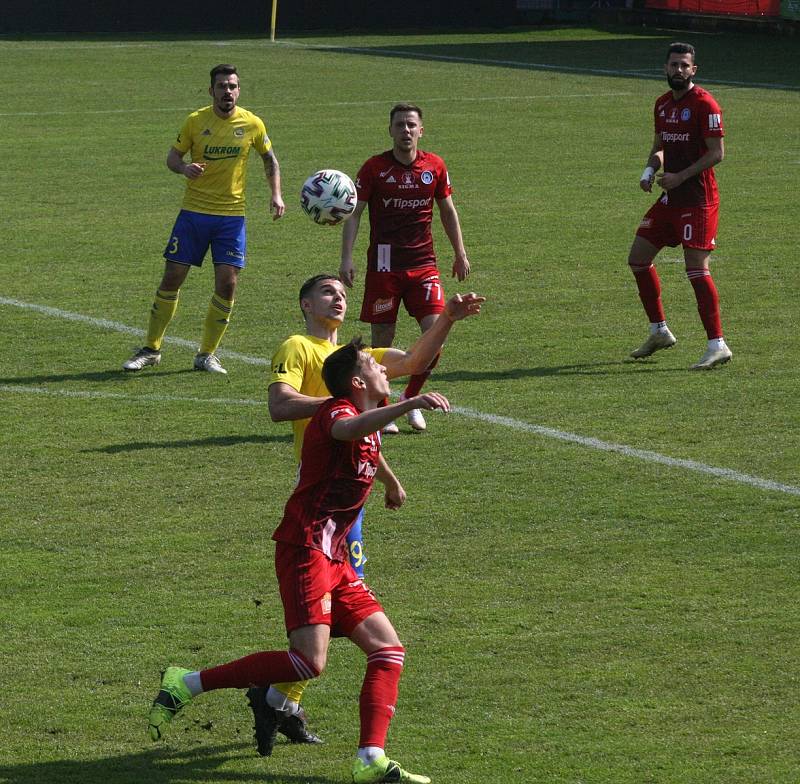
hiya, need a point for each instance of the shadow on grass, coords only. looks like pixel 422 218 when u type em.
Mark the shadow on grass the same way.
pixel 138 446
pixel 583 369
pixel 155 767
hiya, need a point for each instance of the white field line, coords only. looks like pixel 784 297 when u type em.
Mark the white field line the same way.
pixel 88 395
pixel 116 326
pixel 514 424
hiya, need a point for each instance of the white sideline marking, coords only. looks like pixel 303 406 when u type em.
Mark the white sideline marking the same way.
pixel 629 451
pixel 116 326
pixel 88 395
pixel 515 424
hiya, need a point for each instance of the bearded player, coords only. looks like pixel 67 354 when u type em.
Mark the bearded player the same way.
pixel 688 144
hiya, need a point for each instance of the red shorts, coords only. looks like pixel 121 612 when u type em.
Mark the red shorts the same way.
pixel 316 590
pixel 419 289
pixel 692 227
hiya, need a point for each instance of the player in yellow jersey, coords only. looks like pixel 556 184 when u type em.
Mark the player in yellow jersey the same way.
pixel 218 139
pixel 296 391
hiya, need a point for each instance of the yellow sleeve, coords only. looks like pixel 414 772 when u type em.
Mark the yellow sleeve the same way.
pixel 261 142
pixel 289 363
pixel 377 353
pixel 184 141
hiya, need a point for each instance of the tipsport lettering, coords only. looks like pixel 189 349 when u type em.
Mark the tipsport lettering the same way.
pixel 674 137
pixel 407 204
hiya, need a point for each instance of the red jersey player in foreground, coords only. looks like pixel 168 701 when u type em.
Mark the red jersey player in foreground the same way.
pixel 400 187
pixel 688 144
pixel 320 591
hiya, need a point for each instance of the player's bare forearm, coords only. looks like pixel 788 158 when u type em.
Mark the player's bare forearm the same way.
pixel 394 494
pixel 175 163
pixel 368 422
pixel 421 353
pixel 286 404
pixel 347 270
pixel 272 170
pixel 712 156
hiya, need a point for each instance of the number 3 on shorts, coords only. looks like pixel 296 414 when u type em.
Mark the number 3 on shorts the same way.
pixel 173 246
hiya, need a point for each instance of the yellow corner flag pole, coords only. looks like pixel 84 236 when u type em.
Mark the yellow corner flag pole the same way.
pixel 272 21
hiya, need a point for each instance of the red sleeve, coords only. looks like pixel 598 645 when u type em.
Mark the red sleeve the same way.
pixel 443 187
pixel 364 181
pixel 711 118
pixel 339 409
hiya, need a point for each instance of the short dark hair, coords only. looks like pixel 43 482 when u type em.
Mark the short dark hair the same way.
pixel 340 367
pixel 404 107
pixel 311 284
pixel 228 70
pixel 678 48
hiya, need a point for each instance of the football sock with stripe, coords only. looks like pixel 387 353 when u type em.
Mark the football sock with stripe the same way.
pixel 164 306
pixel 217 320
pixel 379 695
pixel 258 669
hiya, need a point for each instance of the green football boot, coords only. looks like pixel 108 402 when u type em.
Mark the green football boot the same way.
pixel 384 769
pixel 172 696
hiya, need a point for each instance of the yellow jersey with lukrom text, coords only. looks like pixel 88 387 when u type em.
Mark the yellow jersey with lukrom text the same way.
pixel 298 363
pixel 223 146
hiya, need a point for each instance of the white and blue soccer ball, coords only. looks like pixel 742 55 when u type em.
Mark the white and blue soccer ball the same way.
pixel 328 197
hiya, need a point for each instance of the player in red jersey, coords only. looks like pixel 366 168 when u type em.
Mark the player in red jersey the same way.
pixel 400 187
pixel 321 593
pixel 688 144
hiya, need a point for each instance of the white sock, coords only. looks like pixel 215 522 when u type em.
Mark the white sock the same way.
pixel 281 703
pixel 716 343
pixel 657 326
pixel 368 754
pixel 193 683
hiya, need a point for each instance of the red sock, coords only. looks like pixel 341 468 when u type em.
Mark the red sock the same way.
pixel 649 285
pixel 705 293
pixel 416 382
pixel 258 669
pixel 379 695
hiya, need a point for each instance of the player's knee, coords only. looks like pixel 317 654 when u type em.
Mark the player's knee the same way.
pixel 309 663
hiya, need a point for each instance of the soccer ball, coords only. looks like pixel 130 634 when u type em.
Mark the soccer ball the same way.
pixel 328 197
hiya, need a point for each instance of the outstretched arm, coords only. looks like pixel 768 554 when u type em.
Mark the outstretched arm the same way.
pixel 422 352
pixel 367 422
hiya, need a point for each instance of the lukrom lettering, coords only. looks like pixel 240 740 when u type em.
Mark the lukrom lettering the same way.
pixel 674 137
pixel 214 150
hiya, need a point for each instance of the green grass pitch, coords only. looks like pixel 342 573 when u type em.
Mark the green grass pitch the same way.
pixel 596 572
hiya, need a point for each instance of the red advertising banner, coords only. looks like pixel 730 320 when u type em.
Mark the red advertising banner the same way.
pixel 735 7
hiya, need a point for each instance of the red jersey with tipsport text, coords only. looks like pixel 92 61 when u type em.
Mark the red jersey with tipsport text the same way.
pixel 335 479
pixel 683 126
pixel 401 199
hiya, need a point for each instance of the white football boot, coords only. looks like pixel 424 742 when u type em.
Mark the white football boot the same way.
pixel 209 363
pixel 656 341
